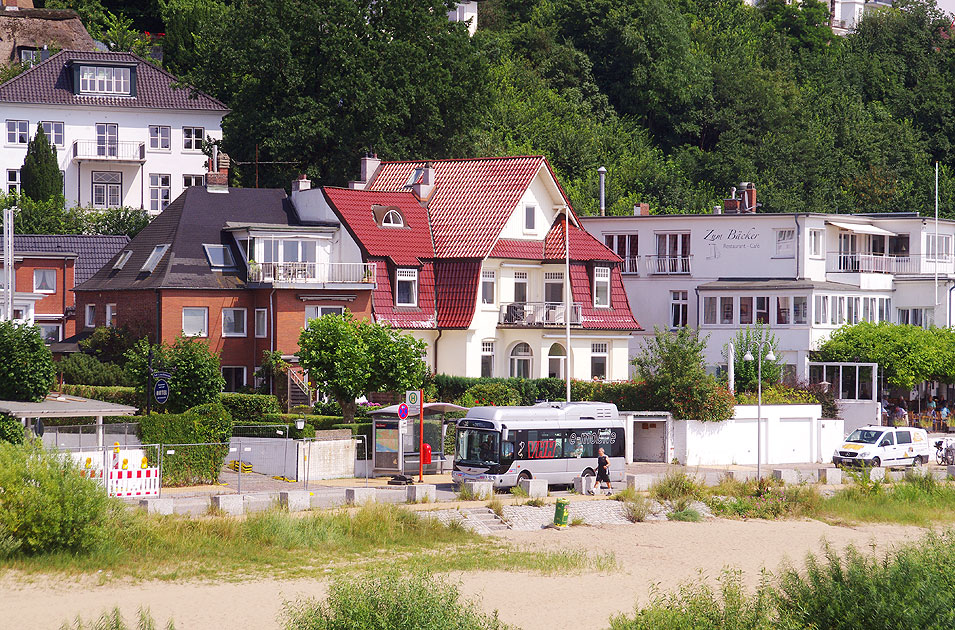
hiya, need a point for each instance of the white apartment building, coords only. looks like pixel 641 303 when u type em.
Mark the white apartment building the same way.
pixel 803 275
pixel 124 134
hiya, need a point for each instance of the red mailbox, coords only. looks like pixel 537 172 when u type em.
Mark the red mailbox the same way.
pixel 426 453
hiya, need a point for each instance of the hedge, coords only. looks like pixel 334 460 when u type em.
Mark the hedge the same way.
pixel 190 465
pixel 113 394
pixel 248 408
pixel 293 433
pixel 11 429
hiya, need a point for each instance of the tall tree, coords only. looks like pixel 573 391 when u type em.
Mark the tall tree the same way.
pixel 40 178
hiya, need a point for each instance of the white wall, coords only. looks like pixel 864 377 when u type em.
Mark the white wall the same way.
pixel 859 413
pixel 325 459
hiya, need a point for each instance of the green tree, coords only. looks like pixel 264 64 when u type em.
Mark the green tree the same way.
pixel 195 369
pixel 746 373
pixel 27 371
pixel 40 175
pixel 349 358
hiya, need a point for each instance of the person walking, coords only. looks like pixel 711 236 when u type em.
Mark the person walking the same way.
pixel 603 470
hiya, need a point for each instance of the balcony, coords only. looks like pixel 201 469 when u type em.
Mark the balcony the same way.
pixel 896 265
pixel 92 150
pixel 538 314
pixel 668 265
pixel 313 274
pixel 631 265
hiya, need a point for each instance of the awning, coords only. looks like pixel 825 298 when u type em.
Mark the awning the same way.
pixel 61 406
pixel 861 228
pixel 429 409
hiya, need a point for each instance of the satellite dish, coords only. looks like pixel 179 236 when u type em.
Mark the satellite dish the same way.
pixel 38 427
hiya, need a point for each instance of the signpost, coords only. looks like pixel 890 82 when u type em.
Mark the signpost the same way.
pixel 414 397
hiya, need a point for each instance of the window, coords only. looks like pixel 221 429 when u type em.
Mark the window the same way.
pixel 90 321
pixel 314 312
pixel 195 321
pixel 220 256
pixel 556 361
pixel 938 249
pixel 30 56
pixel 102 80
pixel 673 253
pixel 487 359
pixel 529 214
pixel 487 287
pixel 625 246
pixel 153 260
pixel 188 181
pixel 817 243
pixel 107 189
pixel 915 317
pixel 261 322
pixel 838 310
pixel 762 310
pixel 745 311
pixel 406 287
pixel 899 245
pixel 598 361
pixel 726 310
pixel 234 377
pixel 107 139
pixel 110 315
pixel 521 361
pixel 159 137
pixel 233 322
pixel 821 310
pixel 602 287
pixel 786 243
pixel 392 218
pixel 782 311
pixel 53 131
pixel 853 310
pixel 800 309
pixel 123 258
pixel 885 309
pixel 678 309
pixel 44 280
pixel 50 332
pixel 159 191
pixel 709 310
pixel 192 138
pixel 13 180
pixel 520 286
pixel 903 437
pixel 554 287
pixel 18 132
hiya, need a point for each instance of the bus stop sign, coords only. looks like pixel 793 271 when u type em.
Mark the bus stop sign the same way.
pixel 161 391
pixel 403 411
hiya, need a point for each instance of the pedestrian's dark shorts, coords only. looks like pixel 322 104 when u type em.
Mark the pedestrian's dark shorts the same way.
pixel 603 475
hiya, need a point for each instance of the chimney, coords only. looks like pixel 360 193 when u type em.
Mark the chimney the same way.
pixel 423 188
pixel 602 174
pixel 748 197
pixel 10 5
pixel 717 209
pixel 217 179
pixel 641 209
pixel 369 165
pixel 731 204
pixel 302 183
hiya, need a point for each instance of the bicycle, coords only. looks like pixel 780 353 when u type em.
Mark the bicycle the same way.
pixel 944 453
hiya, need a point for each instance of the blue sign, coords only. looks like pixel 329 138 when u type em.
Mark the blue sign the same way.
pixel 403 411
pixel 161 391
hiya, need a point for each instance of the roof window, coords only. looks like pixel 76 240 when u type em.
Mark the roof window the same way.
pixel 415 177
pixel 220 256
pixel 122 260
pixel 158 251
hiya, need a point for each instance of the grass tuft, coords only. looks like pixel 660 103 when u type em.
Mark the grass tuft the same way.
pixel 674 485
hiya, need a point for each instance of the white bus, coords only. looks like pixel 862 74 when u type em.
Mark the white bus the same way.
pixel 551 441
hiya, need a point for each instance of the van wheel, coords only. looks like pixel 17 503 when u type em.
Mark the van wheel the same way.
pixel 917 462
pixel 524 476
pixel 876 462
pixel 588 472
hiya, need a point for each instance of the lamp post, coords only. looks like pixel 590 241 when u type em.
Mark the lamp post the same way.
pixel 759 395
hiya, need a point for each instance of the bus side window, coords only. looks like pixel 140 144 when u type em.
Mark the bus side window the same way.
pixel 573 447
pixel 507 450
pixel 618 448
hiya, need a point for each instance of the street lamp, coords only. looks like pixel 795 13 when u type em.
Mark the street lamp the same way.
pixel 759 394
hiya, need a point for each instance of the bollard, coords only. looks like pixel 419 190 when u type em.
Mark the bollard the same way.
pixel 480 490
pixel 561 512
pixel 640 482
pixel 786 475
pixel 359 495
pixel 421 493
pixel 535 488
pixel 295 500
pixel 877 474
pixel 232 504
pixel 830 476
pixel 584 485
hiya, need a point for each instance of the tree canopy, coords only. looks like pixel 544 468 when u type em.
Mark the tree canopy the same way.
pixel 27 371
pixel 40 178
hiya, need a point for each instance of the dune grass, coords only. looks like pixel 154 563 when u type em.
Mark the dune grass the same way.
pixel 917 500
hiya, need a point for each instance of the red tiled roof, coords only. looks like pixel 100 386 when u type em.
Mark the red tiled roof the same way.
pixel 583 246
pixel 472 198
pixel 408 246
pixel 50 82
pixel 518 248
pixel 617 317
pixel 408 317
pixel 457 294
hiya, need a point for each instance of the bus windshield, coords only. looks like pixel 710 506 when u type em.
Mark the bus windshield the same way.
pixel 477 447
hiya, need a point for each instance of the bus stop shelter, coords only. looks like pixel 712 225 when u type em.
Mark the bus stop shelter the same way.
pixel 63 406
pixel 396 441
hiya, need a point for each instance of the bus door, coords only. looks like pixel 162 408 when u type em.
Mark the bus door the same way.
pixel 544 450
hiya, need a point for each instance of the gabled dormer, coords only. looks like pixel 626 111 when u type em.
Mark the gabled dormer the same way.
pixel 110 78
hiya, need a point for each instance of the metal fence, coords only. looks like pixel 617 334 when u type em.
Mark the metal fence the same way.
pixel 276 431
pixel 128 471
pixel 83 435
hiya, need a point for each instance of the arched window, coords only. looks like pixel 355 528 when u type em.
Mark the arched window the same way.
pixel 392 218
pixel 521 361
pixel 556 361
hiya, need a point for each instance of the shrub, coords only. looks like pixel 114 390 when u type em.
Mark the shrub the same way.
pixel 308 431
pixel 780 395
pixel 390 602
pixel 119 395
pixel 26 371
pixel 320 423
pixel 84 369
pixel 490 395
pixel 46 505
pixel 636 509
pixel 196 372
pixel 359 428
pixel 209 425
pixel 109 344
pixel 245 408
pixel 113 620
pixel 675 485
pixel 11 429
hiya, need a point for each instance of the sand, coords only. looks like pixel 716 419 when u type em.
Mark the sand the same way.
pixel 664 554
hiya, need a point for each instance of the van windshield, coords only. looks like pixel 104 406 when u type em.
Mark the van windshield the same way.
pixel 477 447
pixel 864 436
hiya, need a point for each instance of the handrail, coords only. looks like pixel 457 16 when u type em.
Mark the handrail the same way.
pixel 538 314
pixel 125 150
pixel 309 272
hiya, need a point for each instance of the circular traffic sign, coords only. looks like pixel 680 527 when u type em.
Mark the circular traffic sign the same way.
pixel 403 411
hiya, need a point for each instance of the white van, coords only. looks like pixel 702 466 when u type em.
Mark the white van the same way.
pixel 883 446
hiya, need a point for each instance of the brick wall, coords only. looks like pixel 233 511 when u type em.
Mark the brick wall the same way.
pixel 56 303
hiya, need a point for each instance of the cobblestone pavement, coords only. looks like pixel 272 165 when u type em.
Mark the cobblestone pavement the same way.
pixel 528 518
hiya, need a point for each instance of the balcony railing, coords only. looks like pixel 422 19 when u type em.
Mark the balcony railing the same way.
pixel 313 273
pixel 631 265
pixel 668 265
pixel 538 314
pixel 112 151
pixel 898 265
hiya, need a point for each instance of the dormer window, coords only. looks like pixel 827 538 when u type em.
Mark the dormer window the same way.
pixel 392 218
pixel 220 256
pixel 104 80
pixel 158 251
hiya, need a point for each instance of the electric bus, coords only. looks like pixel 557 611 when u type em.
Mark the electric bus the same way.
pixel 551 441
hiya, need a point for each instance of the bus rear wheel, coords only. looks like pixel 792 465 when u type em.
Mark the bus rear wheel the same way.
pixel 524 476
pixel 588 472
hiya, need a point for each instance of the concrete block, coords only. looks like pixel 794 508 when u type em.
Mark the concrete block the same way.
pixel 830 476
pixel 535 488
pixel 786 475
pixel 258 503
pixel 895 475
pixel 156 506
pixel 357 496
pixel 939 474
pixel 232 504
pixel 741 475
pixel 191 507
pixel 711 478
pixel 877 474
pixel 807 476
pixel 951 471
pixel 480 490
pixel 422 493
pixel 584 485
pixel 294 500
pixel 640 482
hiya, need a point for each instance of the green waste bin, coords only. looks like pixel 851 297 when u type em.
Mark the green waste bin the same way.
pixel 561 511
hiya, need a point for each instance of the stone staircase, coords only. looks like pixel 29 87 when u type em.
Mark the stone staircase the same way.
pixel 483 520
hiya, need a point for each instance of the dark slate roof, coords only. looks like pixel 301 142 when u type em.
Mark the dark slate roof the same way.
pixel 50 83
pixel 197 216
pixel 92 251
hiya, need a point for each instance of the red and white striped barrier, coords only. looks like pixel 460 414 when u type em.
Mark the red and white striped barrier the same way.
pixel 134 483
